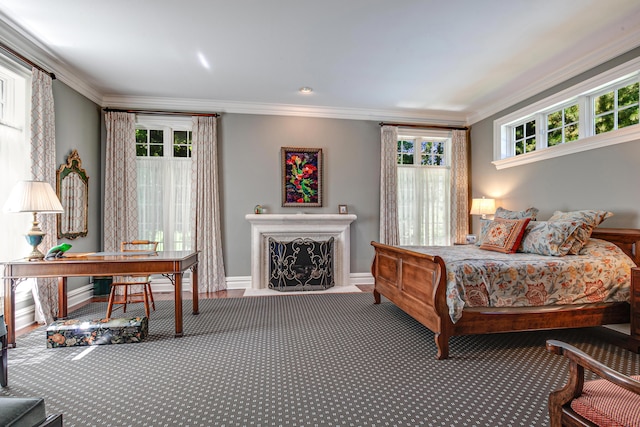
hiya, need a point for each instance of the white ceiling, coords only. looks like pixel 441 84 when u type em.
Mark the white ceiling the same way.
pixel 437 60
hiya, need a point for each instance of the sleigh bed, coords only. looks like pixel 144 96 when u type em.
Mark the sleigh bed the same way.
pixel 416 282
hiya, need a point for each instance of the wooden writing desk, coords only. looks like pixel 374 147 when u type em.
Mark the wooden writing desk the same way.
pixel 172 264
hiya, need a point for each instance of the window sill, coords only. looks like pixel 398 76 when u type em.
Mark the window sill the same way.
pixel 631 133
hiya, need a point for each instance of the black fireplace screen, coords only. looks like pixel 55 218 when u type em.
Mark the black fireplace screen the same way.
pixel 301 265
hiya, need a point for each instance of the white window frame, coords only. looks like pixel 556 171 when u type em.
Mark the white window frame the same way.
pixel 583 93
pixel 167 126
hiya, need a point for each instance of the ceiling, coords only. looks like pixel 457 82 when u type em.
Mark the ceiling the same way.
pixel 433 60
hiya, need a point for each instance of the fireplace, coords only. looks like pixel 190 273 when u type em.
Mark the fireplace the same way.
pixel 288 227
pixel 301 265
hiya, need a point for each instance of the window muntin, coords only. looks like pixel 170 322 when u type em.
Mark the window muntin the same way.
pixel 432 152
pixel 524 137
pixel 562 125
pixel 621 82
pixel 182 143
pixel 149 142
pixel 616 109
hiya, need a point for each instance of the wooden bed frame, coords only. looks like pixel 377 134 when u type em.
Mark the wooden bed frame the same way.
pixel 416 283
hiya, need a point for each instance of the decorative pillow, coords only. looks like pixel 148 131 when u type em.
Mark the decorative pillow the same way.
pixel 587 221
pixel 549 238
pixel 507 214
pixel 504 235
pixel 484 226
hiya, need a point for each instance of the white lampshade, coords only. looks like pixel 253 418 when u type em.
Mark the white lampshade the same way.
pixel 33 196
pixel 483 207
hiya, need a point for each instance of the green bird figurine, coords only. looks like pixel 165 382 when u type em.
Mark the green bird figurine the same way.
pixel 57 251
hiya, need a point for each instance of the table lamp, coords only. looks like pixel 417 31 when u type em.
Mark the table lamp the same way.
pixel 36 197
pixel 483 207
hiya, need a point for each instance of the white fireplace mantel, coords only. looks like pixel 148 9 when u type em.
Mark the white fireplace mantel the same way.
pixel 287 227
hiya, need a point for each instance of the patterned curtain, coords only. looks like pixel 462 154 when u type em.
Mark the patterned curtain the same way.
pixel 389 233
pixel 205 198
pixel 43 168
pixel 120 184
pixel 459 186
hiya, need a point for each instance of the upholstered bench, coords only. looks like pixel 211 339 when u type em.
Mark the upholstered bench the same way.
pixel 611 400
pixel 74 332
pixel 26 412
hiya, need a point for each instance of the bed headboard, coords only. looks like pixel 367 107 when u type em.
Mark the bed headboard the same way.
pixel 627 239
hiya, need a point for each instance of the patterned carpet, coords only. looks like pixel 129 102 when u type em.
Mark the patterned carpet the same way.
pixel 299 360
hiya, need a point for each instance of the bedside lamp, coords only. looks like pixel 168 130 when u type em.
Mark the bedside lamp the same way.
pixel 483 207
pixel 36 197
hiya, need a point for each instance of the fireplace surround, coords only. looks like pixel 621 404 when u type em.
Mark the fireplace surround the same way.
pixel 288 227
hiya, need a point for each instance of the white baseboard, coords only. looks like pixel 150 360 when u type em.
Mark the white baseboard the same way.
pixel 244 282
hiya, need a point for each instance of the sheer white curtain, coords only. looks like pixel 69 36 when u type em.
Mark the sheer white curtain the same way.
pixel 120 181
pixel 165 201
pixel 43 168
pixel 388 186
pixel 423 210
pixel 14 151
pixel 205 196
pixel 459 186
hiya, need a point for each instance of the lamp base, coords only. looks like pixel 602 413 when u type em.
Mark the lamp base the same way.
pixel 34 239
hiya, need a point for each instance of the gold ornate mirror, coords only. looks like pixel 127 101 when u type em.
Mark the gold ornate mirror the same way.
pixel 73 191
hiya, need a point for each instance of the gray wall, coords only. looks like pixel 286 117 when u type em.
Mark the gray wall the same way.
pixel 605 178
pixel 250 174
pixel 78 122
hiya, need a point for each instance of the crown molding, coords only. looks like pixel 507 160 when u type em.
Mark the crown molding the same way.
pixel 607 52
pixel 21 41
pixel 217 106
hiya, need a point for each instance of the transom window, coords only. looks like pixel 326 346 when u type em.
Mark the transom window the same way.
pixel 421 152
pixel 601 111
pixel 616 109
pixel 562 125
pixel 151 143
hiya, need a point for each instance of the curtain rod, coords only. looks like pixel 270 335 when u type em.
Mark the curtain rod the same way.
pixel 425 126
pixel 162 113
pixel 25 60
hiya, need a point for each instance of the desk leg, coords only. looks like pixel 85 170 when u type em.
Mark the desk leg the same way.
pixel 10 311
pixel 62 298
pixel 178 302
pixel 194 288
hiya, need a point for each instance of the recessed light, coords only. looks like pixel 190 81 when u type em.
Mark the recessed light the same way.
pixel 306 89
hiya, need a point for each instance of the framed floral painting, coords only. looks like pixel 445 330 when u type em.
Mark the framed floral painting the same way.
pixel 301 177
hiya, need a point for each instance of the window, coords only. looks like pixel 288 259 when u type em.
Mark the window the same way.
pixel 598 112
pixel 562 125
pixel 163 149
pixel 423 188
pixel 15 161
pixel 616 109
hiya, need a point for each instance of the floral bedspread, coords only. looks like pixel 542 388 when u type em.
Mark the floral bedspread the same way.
pixel 481 278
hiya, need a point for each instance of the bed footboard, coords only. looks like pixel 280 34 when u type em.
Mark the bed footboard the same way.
pixel 416 284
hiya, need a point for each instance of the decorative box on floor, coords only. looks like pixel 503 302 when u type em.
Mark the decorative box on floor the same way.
pixel 74 332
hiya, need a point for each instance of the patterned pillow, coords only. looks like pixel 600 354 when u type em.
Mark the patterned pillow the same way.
pixel 504 235
pixel 549 238
pixel 484 226
pixel 507 214
pixel 587 221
